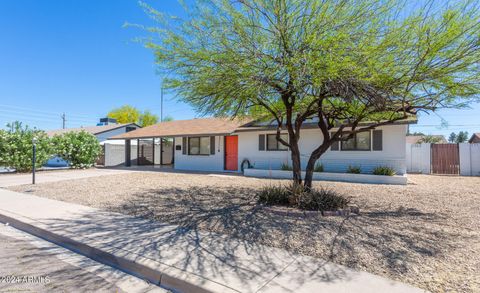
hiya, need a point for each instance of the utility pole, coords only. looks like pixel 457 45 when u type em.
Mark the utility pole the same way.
pixel 63 120
pixel 161 103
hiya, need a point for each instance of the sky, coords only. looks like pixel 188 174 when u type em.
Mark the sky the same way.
pixel 76 57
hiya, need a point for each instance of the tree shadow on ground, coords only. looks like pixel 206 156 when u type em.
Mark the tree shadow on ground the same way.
pixel 217 232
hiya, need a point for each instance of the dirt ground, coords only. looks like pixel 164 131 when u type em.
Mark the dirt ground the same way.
pixel 426 233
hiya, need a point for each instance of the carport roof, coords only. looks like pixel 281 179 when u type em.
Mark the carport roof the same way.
pixel 199 126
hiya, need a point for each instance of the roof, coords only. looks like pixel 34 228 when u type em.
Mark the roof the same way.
pixel 475 138
pixel 90 129
pixel 198 126
pixel 413 139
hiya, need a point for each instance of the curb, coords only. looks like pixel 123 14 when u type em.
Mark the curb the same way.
pixel 128 266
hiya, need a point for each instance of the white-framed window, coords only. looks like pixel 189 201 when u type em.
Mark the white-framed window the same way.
pixel 199 145
pixel 361 141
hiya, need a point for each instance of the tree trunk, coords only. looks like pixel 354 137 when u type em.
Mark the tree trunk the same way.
pixel 311 166
pixel 296 165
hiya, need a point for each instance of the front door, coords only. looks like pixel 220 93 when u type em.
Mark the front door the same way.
pixel 231 153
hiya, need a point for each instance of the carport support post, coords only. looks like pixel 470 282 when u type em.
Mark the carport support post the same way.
pixel 128 161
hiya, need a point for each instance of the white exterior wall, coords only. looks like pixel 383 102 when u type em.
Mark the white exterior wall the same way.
pixel 418 158
pixel 202 162
pixel 393 153
pixel 469 159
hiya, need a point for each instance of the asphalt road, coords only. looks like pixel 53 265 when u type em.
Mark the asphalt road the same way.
pixel 30 264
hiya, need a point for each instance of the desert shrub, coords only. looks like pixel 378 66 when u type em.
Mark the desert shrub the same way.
pixel 273 195
pixel 16 147
pixel 354 169
pixel 384 170
pixel 318 167
pixel 79 149
pixel 286 167
pixel 296 195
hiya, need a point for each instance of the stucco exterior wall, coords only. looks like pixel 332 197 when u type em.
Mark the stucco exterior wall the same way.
pixel 200 162
pixel 393 153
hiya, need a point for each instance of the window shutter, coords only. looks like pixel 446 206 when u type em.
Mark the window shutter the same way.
pixel 212 145
pixel 377 140
pixel 184 145
pixel 261 142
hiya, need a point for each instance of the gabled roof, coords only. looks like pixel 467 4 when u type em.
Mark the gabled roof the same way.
pixel 475 138
pixel 199 126
pixel 95 130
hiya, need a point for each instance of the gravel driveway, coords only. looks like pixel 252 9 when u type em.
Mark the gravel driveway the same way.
pixel 426 233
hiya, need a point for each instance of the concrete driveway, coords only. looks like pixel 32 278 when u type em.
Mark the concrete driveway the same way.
pixel 7 180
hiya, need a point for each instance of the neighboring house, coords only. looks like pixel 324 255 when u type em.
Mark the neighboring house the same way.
pixel 413 139
pixel 106 128
pixel 475 138
pixel 219 144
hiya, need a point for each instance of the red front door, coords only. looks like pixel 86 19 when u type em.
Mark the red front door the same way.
pixel 231 153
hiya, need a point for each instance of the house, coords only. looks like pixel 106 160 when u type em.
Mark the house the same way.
pixel 106 128
pixel 475 138
pixel 414 139
pixel 230 145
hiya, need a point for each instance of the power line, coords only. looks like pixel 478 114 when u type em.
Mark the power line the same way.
pixel 41 111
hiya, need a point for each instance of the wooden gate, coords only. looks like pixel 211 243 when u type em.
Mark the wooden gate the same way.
pixel 145 152
pixel 445 159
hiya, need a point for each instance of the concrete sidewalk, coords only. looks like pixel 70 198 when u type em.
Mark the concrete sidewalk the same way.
pixel 183 258
pixel 7 180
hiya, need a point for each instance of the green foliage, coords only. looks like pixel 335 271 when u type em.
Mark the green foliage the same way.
pixel 462 137
pixel 130 114
pixel 452 138
pixel 16 147
pixel 167 118
pixel 318 167
pixel 384 170
pixel 430 139
pixel 125 114
pixel 147 118
pixel 298 196
pixel 286 167
pixel 354 169
pixel 80 149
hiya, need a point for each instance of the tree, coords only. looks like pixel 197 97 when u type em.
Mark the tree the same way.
pixel 125 114
pixel 147 118
pixel 80 149
pixel 452 138
pixel 429 139
pixel 16 147
pixel 167 118
pixel 462 137
pixel 348 65
pixel 130 114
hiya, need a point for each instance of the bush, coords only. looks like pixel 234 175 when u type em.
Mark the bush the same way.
pixel 286 167
pixel 354 169
pixel 16 147
pixel 297 196
pixel 384 170
pixel 318 167
pixel 79 149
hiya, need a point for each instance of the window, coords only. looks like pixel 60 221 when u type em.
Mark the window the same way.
pixel 274 145
pixel 199 145
pixel 359 142
pixel 129 128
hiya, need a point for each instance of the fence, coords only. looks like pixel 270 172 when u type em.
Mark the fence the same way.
pixel 419 159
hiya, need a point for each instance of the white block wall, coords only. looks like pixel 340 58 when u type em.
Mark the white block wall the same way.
pixel 469 159
pixel 418 158
pixel 393 153
pixel 203 162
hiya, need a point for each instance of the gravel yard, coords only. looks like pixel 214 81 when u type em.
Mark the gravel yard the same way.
pixel 426 233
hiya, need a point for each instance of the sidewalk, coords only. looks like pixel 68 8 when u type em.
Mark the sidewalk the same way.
pixel 181 258
pixel 7 180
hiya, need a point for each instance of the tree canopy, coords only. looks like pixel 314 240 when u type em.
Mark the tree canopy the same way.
pixel 341 62
pixel 130 114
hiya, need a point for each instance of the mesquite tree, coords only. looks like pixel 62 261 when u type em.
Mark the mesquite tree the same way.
pixel 348 65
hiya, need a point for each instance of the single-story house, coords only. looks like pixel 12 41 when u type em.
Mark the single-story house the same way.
pixel 475 138
pixel 222 144
pixel 106 128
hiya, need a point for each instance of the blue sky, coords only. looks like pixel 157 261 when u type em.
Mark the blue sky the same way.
pixel 76 57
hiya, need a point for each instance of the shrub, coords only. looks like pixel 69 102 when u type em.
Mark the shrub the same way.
pixel 318 167
pixel 296 195
pixel 286 167
pixel 80 149
pixel 384 170
pixel 16 147
pixel 354 169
